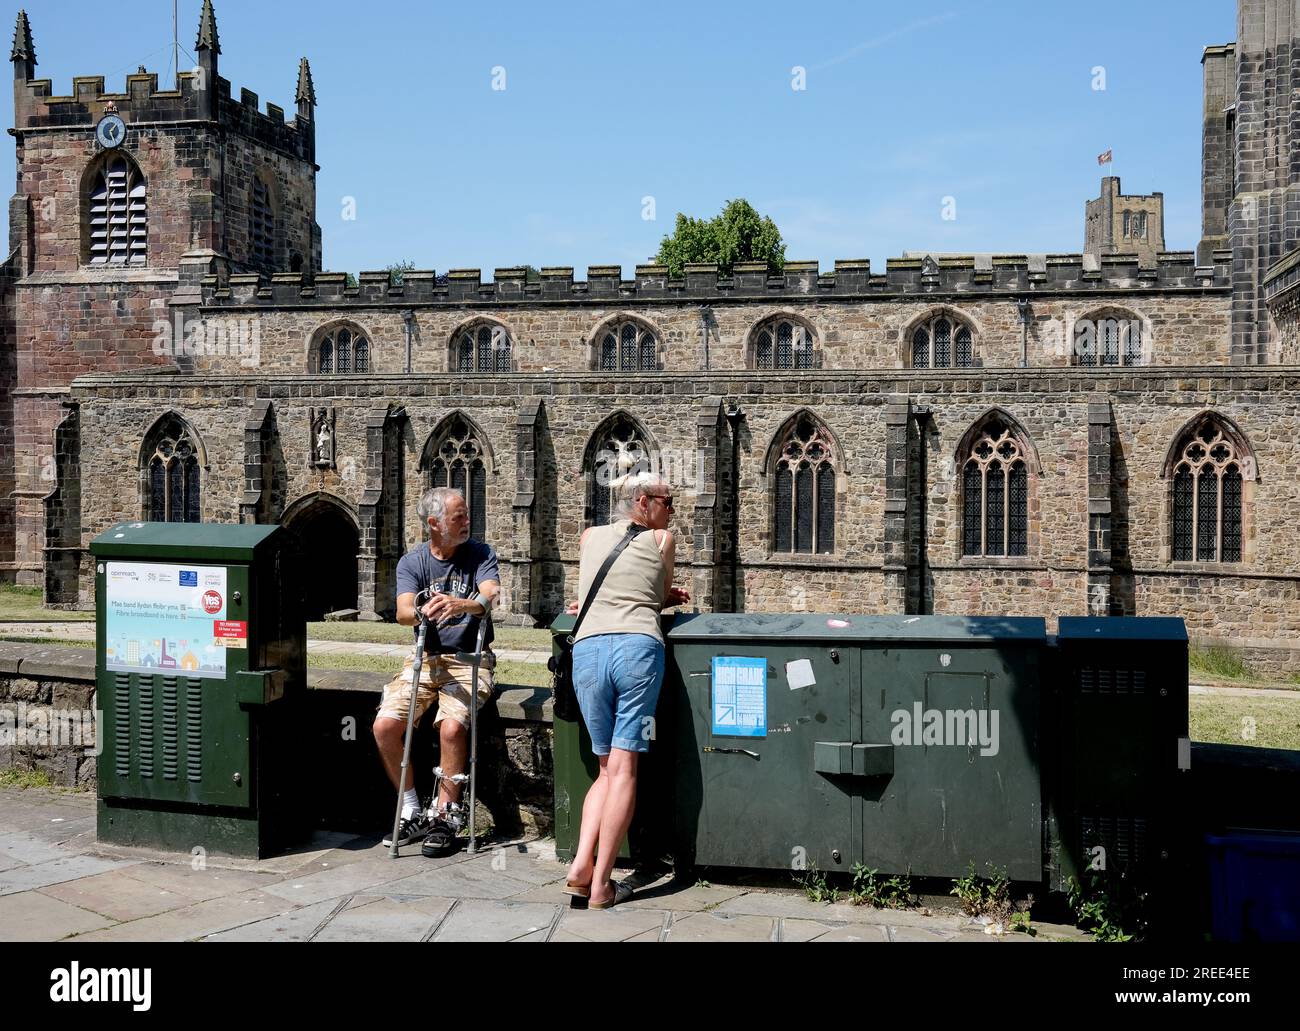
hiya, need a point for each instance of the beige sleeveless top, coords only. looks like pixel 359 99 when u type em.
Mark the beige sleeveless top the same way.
pixel 632 595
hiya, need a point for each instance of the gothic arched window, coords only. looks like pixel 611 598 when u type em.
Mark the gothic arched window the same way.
pixel 782 343
pixel 1207 496
pixel 628 347
pixel 483 348
pixel 456 458
pixel 343 349
pixel 995 493
pixel 803 488
pixel 261 228
pixel 118 214
pixel 942 342
pixel 617 450
pixel 1108 338
pixel 171 471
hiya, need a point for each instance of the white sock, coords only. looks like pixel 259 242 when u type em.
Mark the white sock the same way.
pixel 410 803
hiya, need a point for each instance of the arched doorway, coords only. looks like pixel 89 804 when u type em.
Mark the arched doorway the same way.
pixel 330 541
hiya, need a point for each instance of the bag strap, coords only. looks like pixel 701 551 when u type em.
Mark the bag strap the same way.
pixel 632 531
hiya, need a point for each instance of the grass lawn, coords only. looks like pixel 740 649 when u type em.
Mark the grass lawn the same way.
pixel 25 603
pixel 1223 719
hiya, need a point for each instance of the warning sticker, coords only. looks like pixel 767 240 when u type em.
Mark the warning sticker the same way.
pixel 230 633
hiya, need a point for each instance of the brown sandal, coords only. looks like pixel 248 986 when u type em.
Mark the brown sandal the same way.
pixel 622 892
pixel 578 891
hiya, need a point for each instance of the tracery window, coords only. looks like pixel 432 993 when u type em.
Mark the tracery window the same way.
pixel 782 343
pixel 618 450
pixel 1108 339
pixel 995 494
pixel 941 343
pixel 1207 497
pixel 628 347
pixel 171 466
pixel 803 492
pixel 343 350
pixel 483 348
pixel 455 458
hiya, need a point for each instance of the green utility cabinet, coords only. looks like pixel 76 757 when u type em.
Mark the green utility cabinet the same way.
pixel 811 739
pixel 200 675
pixel 1122 753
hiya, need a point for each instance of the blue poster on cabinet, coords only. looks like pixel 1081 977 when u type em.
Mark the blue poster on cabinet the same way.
pixel 739 696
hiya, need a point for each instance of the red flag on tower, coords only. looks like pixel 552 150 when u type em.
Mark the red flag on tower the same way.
pixel 1104 157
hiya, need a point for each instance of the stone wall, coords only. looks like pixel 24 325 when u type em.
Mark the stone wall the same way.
pixel 680 418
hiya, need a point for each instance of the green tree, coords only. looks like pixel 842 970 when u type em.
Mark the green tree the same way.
pixel 739 233
pixel 398 270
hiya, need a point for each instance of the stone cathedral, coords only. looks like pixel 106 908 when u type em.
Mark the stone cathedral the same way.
pixel 1115 431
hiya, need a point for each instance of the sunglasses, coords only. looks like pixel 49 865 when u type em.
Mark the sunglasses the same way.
pixel 667 499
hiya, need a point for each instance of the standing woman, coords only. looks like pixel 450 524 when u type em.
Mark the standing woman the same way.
pixel 618 668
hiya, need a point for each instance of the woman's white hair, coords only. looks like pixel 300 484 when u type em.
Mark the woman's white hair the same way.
pixel 632 489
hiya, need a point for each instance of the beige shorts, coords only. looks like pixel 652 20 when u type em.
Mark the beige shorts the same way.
pixel 443 679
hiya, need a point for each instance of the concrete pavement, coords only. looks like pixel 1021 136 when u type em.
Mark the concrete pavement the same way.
pixel 57 883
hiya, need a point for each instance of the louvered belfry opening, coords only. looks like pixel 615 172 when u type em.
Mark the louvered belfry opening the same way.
pixel 119 214
pixel 262 226
pixel 995 494
pixel 803 501
pixel 1207 497
pixel 456 460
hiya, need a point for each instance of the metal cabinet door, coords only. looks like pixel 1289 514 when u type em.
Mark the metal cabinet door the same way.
pixel 947 804
pixel 759 801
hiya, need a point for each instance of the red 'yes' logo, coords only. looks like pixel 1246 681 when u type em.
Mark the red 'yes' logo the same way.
pixel 211 602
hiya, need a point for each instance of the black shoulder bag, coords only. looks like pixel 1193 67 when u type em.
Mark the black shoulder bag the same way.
pixel 564 704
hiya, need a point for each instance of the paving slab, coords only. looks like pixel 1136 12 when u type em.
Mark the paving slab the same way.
pixel 386 919
pixel 25 848
pixel 67 868
pixel 32 916
pixel 846 933
pixel 341 880
pixel 118 895
pixel 486 920
pixel 285 865
pixel 298 925
pixel 198 920
pixel 610 925
pixel 200 885
pixel 517 864
pixel 711 927
pixel 459 880
pixel 670 894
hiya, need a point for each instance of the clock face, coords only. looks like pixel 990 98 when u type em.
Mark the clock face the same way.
pixel 110 131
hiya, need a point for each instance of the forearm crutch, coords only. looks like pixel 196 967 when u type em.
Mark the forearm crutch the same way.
pixel 410 726
pixel 476 658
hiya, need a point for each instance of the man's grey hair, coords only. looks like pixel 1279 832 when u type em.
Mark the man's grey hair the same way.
pixel 433 504
pixel 633 488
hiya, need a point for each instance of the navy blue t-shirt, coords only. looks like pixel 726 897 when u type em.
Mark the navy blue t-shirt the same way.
pixel 471 564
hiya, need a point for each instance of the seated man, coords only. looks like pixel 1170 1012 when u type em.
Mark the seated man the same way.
pixel 456 575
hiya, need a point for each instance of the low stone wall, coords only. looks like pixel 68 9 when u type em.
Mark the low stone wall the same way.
pixel 48 719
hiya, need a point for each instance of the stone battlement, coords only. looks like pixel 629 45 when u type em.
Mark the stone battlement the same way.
pixel 1012 273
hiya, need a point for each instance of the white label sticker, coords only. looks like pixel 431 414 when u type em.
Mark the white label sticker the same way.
pixel 799 673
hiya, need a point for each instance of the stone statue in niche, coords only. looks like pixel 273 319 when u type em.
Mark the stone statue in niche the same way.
pixel 322 438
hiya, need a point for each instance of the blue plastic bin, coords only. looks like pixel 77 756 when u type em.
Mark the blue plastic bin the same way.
pixel 1255 885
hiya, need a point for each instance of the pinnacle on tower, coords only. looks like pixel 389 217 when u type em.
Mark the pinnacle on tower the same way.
pixel 306 91
pixel 208 30
pixel 24 49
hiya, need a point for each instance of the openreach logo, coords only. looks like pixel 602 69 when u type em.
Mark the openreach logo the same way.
pixel 41 726
pixel 103 984
pixel 962 727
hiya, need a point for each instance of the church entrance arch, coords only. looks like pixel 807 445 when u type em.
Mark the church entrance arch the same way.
pixel 327 530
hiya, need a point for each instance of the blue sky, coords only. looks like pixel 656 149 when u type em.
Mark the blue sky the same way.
pixel 605 104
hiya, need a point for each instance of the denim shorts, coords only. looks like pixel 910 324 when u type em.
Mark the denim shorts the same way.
pixel 617 679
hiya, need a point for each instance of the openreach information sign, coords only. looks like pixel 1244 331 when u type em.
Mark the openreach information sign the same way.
pixel 163 617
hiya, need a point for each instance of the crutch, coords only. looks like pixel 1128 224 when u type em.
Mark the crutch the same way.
pixel 410 722
pixel 476 658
